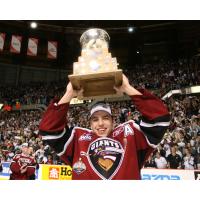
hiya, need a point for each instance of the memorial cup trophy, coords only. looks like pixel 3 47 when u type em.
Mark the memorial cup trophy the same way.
pixel 96 71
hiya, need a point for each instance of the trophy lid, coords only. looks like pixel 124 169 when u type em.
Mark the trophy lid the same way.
pixel 94 35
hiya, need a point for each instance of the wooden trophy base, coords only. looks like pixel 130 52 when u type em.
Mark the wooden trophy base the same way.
pixel 97 84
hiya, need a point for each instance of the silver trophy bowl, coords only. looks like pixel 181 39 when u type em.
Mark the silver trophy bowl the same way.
pixel 94 38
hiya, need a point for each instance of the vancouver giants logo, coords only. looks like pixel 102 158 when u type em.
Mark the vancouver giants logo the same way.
pixel 105 157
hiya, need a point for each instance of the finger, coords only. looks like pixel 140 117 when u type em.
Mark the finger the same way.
pixel 116 88
pixel 80 92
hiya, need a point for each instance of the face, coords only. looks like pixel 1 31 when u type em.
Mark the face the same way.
pixel 101 123
pixel 157 155
pixel 173 149
pixel 30 150
pixel 25 150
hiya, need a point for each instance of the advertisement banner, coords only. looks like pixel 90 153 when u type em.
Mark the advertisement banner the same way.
pixel 64 172
pixel 15 46
pixel 5 174
pixel 52 49
pixel 55 172
pixel 167 174
pixel 2 40
pixel 32 47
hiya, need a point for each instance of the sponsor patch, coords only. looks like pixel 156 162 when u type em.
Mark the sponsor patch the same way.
pixel 85 137
pixel 105 157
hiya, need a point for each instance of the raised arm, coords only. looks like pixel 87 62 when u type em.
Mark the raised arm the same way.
pixel 155 116
pixel 53 127
pixel 69 94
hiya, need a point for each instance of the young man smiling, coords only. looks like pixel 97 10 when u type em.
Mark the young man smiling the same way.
pixel 105 152
pixel 101 120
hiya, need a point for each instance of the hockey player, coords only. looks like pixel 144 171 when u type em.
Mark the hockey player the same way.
pixel 105 152
pixel 23 165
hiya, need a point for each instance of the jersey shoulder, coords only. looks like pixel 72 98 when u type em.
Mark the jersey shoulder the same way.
pixel 125 129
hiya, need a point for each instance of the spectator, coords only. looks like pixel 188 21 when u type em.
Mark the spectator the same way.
pixel 174 160
pixel 160 161
pixel 188 160
pixel 150 163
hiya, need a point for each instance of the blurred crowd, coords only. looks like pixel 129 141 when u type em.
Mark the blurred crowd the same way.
pixel 32 93
pixel 161 77
pixel 180 148
pixel 165 76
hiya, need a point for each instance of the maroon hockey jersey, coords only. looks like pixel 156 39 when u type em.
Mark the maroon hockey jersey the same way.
pixel 18 161
pixel 121 155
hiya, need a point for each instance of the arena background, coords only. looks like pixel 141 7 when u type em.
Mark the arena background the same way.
pixel 162 56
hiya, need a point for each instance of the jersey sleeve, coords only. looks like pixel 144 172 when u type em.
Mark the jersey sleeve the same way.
pixel 155 116
pixel 14 165
pixel 31 169
pixel 54 130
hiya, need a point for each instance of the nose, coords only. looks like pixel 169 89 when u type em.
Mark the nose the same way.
pixel 100 122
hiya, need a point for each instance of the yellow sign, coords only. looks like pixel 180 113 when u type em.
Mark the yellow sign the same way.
pixel 7 178
pixel 56 172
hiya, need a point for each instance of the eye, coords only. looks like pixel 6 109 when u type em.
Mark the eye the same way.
pixel 94 119
pixel 106 117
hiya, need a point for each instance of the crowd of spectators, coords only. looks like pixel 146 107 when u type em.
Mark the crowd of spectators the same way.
pixel 166 76
pixel 31 93
pixel 180 147
pixel 161 77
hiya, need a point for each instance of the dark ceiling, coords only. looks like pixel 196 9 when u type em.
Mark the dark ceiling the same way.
pixel 154 40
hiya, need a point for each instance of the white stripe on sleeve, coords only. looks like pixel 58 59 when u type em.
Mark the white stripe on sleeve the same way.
pixel 67 143
pixel 144 124
pixel 52 137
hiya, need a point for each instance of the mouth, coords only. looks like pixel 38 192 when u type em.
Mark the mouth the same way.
pixel 101 130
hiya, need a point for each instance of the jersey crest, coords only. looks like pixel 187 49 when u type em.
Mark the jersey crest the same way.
pixel 105 157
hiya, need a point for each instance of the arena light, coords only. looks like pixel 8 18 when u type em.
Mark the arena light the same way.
pixel 130 29
pixel 137 52
pixel 1 105
pixel 33 25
